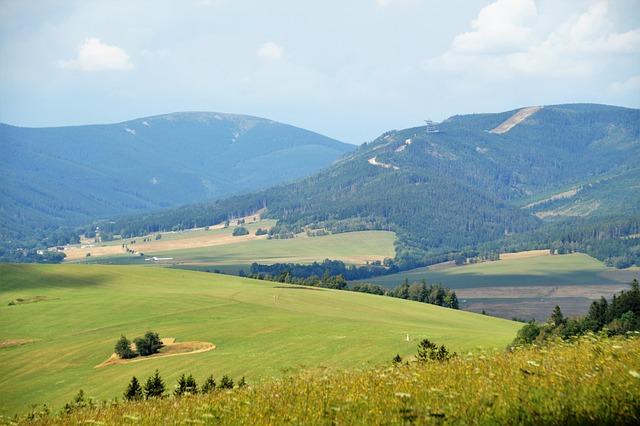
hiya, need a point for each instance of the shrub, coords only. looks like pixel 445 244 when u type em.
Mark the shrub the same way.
pixel 396 359
pixel 123 348
pixel 261 231
pixel 134 390
pixel 149 344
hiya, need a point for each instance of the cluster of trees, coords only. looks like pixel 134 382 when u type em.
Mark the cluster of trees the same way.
pixel 619 316
pixel 428 351
pixel 435 294
pixel 239 231
pixel 154 387
pixel 327 267
pixel 146 345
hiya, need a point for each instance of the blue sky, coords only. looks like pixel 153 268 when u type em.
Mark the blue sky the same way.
pixel 348 69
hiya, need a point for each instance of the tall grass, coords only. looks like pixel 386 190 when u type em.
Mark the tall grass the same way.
pixel 590 380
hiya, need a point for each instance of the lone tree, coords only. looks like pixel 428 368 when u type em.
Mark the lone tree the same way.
pixel 154 388
pixel 557 318
pixel 123 348
pixel 134 390
pixel 149 344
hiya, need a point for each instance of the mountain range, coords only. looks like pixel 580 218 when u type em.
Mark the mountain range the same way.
pixel 469 181
pixel 73 175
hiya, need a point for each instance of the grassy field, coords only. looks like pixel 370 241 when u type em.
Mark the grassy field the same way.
pixel 569 269
pixel 260 329
pixel 587 381
pixel 350 247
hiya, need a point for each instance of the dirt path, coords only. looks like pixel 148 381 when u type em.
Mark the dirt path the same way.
pixel 515 119
pixel 171 348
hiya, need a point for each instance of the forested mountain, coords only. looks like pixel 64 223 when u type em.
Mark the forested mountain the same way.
pixel 72 175
pixel 458 185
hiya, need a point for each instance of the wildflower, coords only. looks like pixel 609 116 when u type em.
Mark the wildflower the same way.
pixel 402 395
pixel 635 374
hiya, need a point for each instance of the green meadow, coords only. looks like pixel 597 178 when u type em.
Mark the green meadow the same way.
pixel 260 329
pixel 568 269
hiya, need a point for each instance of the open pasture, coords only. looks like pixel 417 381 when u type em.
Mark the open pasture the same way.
pixel 259 329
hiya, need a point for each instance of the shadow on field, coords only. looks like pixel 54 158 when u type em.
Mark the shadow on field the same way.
pixel 24 277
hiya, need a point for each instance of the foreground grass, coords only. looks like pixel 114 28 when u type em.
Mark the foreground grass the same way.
pixel 588 381
pixel 569 269
pixel 261 329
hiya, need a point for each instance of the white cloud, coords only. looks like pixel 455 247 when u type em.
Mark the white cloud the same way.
pixel 94 55
pixel 499 27
pixel 271 51
pixel 632 84
pixel 503 42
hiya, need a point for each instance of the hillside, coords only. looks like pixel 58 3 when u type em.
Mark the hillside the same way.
pixel 458 187
pixel 260 329
pixel 71 175
pixel 588 381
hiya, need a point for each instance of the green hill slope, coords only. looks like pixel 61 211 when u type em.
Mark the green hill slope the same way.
pixel 70 175
pixel 260 329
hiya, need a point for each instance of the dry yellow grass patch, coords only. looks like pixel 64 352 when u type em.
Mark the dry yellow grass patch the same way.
pixel 170 348
pixel 75 253
pixel 525 254
pixel 15 342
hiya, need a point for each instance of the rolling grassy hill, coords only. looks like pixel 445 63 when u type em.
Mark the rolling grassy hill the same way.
pixel 71 175
pixel 260 329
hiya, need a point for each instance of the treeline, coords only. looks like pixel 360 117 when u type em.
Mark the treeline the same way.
pixel 326 268
pixel 434 294
pixel 618 317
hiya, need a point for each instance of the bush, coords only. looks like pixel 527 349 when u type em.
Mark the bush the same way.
pixel 123 348
pixel 239 231
pixel 149 344
pixel 261 231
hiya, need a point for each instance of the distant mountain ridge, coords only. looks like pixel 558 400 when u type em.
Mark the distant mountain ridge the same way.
pixel 457 185
pixel 71 175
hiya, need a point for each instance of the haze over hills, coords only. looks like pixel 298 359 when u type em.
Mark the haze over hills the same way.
pixel 459 185
pixel 71 175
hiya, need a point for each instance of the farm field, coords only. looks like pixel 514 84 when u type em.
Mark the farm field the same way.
pixel 350 247
pixel 525 286
pixel 50 347
pixel 200 237
pixel 553 271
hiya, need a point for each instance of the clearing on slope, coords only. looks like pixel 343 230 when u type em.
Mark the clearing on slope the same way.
pixel 515 119
pixel 256 334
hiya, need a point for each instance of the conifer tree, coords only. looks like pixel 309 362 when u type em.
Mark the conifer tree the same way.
pixel 209 385
pixel 154 388
pixel 134 390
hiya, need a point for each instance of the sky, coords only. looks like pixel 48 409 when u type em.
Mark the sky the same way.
pixel 348 69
